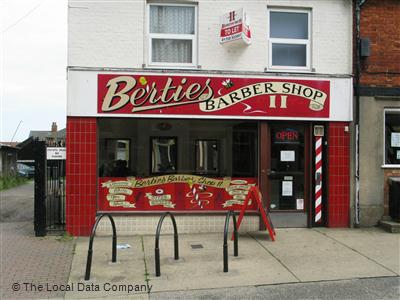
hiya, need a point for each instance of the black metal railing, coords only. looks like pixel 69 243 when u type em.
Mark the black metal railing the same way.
pixel 235 238
pixel 55 195
pixel 49 202
pixel 40 212
pixel 157 248
pixel 90 250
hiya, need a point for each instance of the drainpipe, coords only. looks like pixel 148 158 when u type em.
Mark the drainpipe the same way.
pixel 359 3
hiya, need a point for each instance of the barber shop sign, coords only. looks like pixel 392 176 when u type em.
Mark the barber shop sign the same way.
pixel 212 96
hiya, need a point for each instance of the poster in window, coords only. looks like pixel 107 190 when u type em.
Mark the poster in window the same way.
pixel 395 140
pixel 287 188
pixel 287 156
pixel 398 154
pixel 299 204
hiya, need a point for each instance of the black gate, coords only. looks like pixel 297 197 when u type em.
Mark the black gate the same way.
pixel 49 191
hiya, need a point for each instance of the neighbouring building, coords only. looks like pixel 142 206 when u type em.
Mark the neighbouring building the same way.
pixel 379 105
pixel 8 159
pixel 52 138
pixel 182 106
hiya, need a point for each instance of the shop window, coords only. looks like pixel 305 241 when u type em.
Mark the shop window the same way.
pixel 163 155
pixel 213 148
pixel 207 157
pixel 289 39
pixel 172 35
pixel 115 160
pixel 392 137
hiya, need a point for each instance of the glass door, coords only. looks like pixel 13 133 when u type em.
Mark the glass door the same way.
pixel 286 176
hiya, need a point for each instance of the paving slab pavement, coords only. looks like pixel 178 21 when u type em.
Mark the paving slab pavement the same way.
pixel 356 289
pixel 107 278
pixel 204 267
pixel 377 245
pixel 297 256
pixel 313 256
pixel 30 267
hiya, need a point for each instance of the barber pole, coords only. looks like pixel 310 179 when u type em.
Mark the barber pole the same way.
pixel 318 179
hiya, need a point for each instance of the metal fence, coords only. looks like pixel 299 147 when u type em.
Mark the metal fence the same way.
pixel 49 192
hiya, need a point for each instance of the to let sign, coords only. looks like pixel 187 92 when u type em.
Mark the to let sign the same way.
pixel 56 153
pixel 235 27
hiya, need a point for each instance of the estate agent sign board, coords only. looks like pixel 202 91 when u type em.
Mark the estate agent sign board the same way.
pixel 235 27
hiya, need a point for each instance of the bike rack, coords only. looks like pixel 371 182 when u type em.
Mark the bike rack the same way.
pixel 235 238
pixel 90 251
pixel 157 249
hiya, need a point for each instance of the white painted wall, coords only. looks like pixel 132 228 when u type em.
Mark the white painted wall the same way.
pixel 112 34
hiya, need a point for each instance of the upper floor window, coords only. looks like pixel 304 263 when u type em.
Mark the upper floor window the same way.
pixel 392 137
pixel 289 39
pixel 172 32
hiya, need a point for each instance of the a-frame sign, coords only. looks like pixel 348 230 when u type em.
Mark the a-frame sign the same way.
pixel 255 195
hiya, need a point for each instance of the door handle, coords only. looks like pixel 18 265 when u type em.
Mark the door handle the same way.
pixel 271 172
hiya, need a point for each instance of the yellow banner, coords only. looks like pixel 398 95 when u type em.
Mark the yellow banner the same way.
pixel 175 178
pixel 164 200
pixel 120 191
pixel 116 198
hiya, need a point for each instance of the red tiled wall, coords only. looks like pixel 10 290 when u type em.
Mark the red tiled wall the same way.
pixel 338 175
pixel 81 175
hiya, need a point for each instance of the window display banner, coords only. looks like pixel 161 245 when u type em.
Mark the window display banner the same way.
pixel 174 192
pixel 212 96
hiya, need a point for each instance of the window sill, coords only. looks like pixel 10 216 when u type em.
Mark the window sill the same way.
pixel 283 70
pixel 390 166
pixel 172 67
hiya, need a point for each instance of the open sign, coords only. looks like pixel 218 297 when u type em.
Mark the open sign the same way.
pixel 287 135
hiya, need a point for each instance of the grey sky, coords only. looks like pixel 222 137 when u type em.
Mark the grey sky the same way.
pixel 33 59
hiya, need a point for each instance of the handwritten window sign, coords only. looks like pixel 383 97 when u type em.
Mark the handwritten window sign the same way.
pixel 54 153
pixel 395 140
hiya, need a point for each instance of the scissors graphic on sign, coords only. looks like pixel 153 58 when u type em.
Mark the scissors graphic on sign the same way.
pixel 199 196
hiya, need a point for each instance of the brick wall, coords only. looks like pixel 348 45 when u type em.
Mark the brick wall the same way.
pixel 81 175
pixel 380 21
pixel 338 175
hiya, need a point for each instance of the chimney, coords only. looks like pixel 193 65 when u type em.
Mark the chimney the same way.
pixel 54 130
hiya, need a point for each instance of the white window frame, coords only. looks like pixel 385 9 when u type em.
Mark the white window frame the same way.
pixel 289 41
pixel 192 37
pixel 388 110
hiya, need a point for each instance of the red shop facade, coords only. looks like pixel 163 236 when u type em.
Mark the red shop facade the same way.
pixel 144 143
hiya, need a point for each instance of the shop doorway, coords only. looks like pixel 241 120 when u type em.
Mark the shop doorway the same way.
pixel 287 168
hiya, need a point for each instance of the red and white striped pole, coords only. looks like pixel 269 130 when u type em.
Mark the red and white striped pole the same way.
pixel 318 179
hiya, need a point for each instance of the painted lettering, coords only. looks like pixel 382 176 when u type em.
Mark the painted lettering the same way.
pixel 256 89
pixel 268 88
pixel 113 85
pixel 192 91
pixel 245 92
